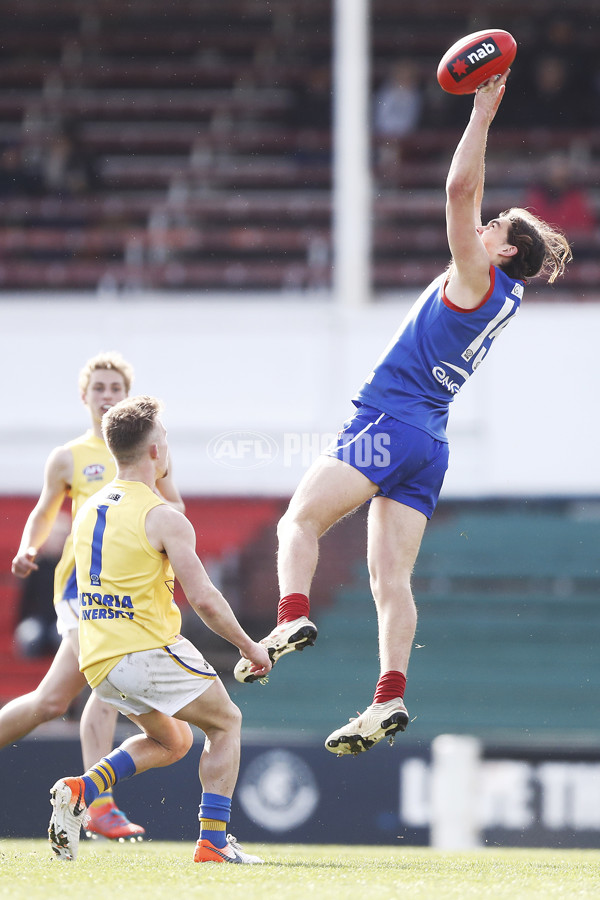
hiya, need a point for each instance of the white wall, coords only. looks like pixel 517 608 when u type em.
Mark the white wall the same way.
pixel 275 375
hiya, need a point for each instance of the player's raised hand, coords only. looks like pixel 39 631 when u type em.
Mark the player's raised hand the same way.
pixel 488 95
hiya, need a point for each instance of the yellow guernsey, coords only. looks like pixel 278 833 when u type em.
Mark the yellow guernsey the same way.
pixel 125 585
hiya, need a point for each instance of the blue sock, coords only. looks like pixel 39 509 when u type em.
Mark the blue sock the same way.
pixel 112 768
pixel 215 812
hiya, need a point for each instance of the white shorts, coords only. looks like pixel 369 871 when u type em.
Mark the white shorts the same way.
pixel 67 615
pixel 165 679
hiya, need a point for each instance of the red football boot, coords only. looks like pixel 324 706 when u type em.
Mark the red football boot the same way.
pixel 107 820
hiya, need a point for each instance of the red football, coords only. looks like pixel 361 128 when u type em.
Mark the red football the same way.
pixel 475 58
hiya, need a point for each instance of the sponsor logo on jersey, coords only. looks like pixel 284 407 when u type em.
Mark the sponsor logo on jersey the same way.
pixel 105 606
pixel 114 497
pixel 94 472
pixel 445 380
pixel 518 291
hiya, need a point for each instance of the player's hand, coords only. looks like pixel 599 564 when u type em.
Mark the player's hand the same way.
pixel 260 659
pixel 488 95
pixel 24 563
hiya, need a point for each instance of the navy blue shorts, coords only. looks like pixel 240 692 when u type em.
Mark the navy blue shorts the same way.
pixel 407 464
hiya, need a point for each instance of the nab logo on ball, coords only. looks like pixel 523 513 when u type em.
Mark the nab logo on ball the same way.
pixel 470 60
pixel 474 59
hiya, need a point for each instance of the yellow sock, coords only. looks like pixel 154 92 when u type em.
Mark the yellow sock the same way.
pixel 213 830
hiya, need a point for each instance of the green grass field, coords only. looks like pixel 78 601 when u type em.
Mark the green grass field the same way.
pixel 156 870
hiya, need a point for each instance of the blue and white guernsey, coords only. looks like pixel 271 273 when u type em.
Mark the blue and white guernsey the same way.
pixel 435 350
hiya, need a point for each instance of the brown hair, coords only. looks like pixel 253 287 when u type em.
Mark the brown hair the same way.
pixel 127 425
pixel 108 360
pixel 541 249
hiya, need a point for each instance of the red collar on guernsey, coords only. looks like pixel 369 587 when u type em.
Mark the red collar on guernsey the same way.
pixel 461 309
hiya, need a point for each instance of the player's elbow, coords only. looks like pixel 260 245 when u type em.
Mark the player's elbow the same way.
pixel 460 189
pixel 205 602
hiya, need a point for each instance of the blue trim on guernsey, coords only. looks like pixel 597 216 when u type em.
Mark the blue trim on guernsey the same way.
pixel 187 667
pixel 97 537
pixel 70 591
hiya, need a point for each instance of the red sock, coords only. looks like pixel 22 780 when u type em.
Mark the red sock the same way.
pixel 292 607
pixel 390 685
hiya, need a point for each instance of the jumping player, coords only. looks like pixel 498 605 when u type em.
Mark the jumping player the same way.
pixel 129 544
pixel 77 470
pixel 393 451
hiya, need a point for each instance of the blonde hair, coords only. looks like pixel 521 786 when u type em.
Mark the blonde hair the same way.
pixel 107 360
pixel 541 249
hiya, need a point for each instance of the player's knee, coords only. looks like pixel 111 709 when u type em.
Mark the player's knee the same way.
pixel 389 587
pixel 296 517
pixel 50 707
pixel 283 524
pixel 229 722
pixel 235 717
pixel 181 742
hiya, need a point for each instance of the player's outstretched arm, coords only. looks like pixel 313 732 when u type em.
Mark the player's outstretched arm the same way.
pixel 57 478
pixel 169 531
pixel 464 192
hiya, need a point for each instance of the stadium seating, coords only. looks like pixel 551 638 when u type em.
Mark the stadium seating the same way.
pixel 506 642
pixel 202 142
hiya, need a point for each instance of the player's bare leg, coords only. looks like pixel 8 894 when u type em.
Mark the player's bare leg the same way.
pixel 330 490
pixel 221 721
pixel 60 686
pixel 165 742
pixel 97 732
pixel 395 533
